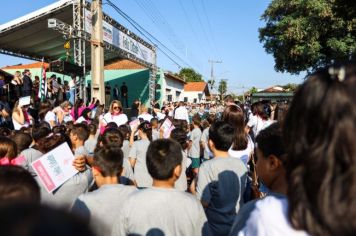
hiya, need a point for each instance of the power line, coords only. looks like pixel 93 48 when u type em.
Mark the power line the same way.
pixel 140 29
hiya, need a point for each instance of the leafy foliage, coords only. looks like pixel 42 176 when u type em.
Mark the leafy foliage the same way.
pixel 222 89
pixel 304 35
pixel 190 75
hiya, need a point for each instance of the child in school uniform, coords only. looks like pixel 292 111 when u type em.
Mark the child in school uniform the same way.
pixel 125 130
pixel 155 129
pixel 161 209
pixel 91 142
pixel 78 135
pixel 138 152
pixel 194 144
pixel 221 180
pixel 101 206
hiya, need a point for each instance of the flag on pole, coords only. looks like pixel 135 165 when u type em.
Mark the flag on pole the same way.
pixel 42 91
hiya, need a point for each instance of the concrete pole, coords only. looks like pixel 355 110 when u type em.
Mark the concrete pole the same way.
pixel 97 52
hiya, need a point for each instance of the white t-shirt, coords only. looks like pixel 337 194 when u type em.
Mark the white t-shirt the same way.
pixel 245 154
pixel 181 113
pixel 270 218
pixel 257 124
pixel 80 120
pixel 145 116
pixel 120 119
pixel 50 116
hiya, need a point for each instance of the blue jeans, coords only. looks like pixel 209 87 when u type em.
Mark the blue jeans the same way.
pixel 72 96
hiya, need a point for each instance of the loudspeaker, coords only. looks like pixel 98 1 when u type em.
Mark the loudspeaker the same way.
pixel 65 68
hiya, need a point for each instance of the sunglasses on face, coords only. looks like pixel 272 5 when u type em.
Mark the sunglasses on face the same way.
pixel 116 108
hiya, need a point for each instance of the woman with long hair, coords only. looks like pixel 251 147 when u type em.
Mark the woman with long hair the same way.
pixel 242 146
pixel 79 107
pixel 63 112
pixel 46 114
pixel 319 134
pixel 115 114
pixel 20 116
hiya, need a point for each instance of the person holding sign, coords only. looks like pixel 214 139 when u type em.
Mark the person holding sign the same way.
pixel 101 206
pixel 20 116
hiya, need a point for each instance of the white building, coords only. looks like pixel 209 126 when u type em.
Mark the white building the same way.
pixel 172 87
pixel 196 92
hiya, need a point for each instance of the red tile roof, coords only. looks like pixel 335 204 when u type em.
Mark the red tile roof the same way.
pixel 195 86
pixel 123 64
pixel 26 66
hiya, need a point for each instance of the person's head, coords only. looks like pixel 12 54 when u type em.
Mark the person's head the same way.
pixel 79 133
pixel 154 123
pixel 115 107
pixel 125 130
pixel 86 113
pixel 18 186
pixel 45 107
pixel 229 100
pixel 37 78
pixel 180 135
pixel 319 133
pixel 263 110
pixel 164 159
pixel 143 109
pixel 107 164
pixel 40 131
pixel 66 106
pixel 93 128
pixel 59 80
pixel 111 137
pixel 27 72
pixel 145 130
pixel 17 74
pixel 234 116
pixel 211 118
pixel 22 140
pixel 221 136
pixel 8 148
pixel 270 155
pixel 196 119
pixel 40 220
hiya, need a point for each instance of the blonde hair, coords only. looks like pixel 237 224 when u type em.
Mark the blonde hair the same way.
pixel 111 110
pixel 143 109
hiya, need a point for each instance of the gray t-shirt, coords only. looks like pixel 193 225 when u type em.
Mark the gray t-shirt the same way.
pixel 155 134
pixel 138 151
pixel 161 211
pixel 30 155
pixel 126 149
pixel 205 139
pixel 181 183
pixel 221 183
pixel 90 145
pixel 101 206
pixel 66 194
pixel 194 151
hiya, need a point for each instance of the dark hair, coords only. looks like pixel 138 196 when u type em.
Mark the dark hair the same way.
pixel 234 116
pixel 78 103
pixel 81 130
pixel 111 137
pixel 263 110
pixel 163 155
pixel 196 119
pixel 211 118
pixel 93 128
pixel 146 128
pixel 45 107
pixel 270 141
pixel 5 131
pixel 39 220
pixel 222 135
pixel 22 140
pixel 8 148
pixel 85 113
pixel 319 133
pixel 180 136
pixel 18 186
pixel 109 160
pixel 125 130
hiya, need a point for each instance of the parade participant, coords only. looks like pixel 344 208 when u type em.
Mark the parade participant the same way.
pixel 194 144
pixel 179 135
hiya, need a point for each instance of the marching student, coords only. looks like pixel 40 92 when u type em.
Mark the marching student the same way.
pixel 101 206
pixel 194 144
pixel 161 209
pixel 221 180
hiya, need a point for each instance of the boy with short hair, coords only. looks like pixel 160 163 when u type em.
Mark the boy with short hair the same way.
pixel 161 209
pixel 100 206
pixel 194 143
pixel 221 180
pixel 78 135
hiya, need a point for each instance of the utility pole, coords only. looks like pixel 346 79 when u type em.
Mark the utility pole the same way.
pixel 97 52
pixel 212 78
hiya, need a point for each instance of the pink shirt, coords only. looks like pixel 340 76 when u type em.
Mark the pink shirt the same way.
pixel 80 110
pixel 17 161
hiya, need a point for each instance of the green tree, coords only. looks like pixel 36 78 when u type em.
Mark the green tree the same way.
pixel 253 90
pixel 290 87
pixel 190 75
pixel 222 89
pixel 304 35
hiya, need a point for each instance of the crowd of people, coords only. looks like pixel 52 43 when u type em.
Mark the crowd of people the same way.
pixel 220 169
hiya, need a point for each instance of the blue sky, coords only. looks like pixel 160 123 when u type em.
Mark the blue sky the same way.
pixel 195 30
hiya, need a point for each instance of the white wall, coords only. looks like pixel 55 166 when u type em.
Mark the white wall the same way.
pixel 199 96
pixel 174 88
